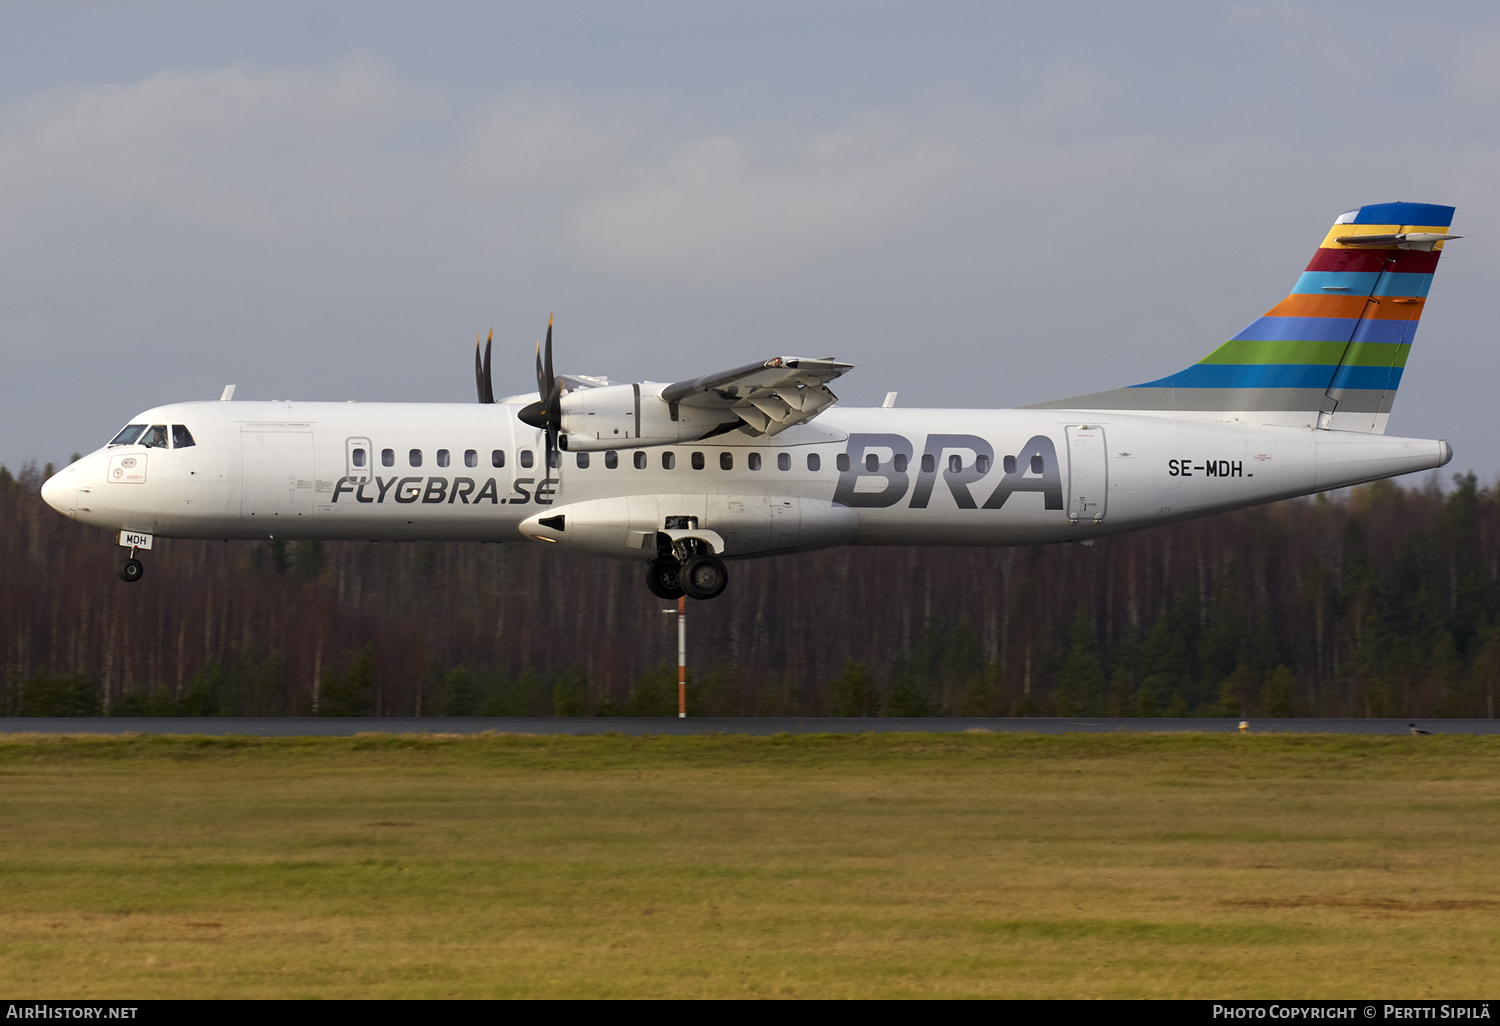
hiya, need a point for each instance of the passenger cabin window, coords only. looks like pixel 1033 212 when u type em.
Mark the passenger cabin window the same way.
pixel 130 433
pixel 697 461
pixel 982 464
pixel 471 458
pixel 955 464
pixel 442 457
pixel 783 461
pixel 155 437
pixel 640 460
pixel 1037 466
pixel 753 461
pixel 872 462
pixel 900 462
pixel 527 459
pixel 611 460
pixel 497 458
pixel 813 462
pixel 182 438
pixel 668 461
pixel 1010 464
pixel 359 457
pixel 387 457
pixel 554 459
pixel 726 461
pixel 583 461
pixel 929 463
pixel 841 461
pixel 414 457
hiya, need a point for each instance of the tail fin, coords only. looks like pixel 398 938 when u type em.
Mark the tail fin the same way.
pixel 1330 354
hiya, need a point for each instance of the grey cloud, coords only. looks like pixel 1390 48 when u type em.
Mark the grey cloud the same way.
pixel 340 232
pixel 738 209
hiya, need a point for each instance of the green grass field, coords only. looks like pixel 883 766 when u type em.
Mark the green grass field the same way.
pixel 879 865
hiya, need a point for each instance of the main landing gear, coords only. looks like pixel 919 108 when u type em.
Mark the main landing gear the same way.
pixel 130 570
pixel 702 577
pixel 686 565
pixel 664 578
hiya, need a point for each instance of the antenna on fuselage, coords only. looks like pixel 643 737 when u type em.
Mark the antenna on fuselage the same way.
pixel 228 394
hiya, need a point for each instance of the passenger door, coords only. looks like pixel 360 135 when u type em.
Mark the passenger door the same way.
pixel 1087 473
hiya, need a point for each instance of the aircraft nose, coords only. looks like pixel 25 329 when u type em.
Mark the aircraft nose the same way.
pixel 59 491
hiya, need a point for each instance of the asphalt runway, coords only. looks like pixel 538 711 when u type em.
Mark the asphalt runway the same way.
pixel 340 727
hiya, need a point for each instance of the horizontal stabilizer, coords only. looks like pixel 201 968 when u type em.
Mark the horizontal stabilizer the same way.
pixel 1423 241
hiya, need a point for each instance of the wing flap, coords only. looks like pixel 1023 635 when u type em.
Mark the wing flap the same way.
pixel 770 396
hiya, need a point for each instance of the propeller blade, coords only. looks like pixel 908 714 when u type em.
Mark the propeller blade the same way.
pixel 489 381
pixel 478 369
pixel 482 380
pixel 542 386
pixel 546 412
pixel 553 399
pixel 552 392
pixel 536 413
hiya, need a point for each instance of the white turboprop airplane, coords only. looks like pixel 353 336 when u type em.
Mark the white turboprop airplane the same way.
pixel 759 460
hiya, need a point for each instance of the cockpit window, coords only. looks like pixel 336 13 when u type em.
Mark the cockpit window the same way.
pixel 130 434
pixel 155 437
pixel 181 436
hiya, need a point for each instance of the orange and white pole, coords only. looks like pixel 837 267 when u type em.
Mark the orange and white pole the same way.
pixel 682 657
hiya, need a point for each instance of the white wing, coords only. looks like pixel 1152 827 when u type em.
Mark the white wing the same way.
pixel 769 397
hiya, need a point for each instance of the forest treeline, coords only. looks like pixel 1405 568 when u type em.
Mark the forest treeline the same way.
pixel 1381 601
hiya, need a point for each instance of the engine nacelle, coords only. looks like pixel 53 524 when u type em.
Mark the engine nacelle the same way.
pixel 632 417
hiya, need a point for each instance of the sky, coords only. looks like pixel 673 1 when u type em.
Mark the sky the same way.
pixel 979 204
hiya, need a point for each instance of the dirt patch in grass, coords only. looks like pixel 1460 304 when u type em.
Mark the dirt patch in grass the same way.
pixel 1380 904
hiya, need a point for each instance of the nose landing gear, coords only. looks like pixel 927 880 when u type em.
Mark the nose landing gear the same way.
pixel 130 568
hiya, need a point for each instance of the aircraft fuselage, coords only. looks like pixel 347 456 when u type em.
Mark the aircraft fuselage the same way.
pixel 409 471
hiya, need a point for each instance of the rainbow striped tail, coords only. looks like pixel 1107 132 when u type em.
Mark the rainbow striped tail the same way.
pixel 1330 355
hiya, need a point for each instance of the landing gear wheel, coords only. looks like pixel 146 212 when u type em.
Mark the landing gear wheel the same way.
pixel 130 570
pixel 704 577
pixel 663 578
